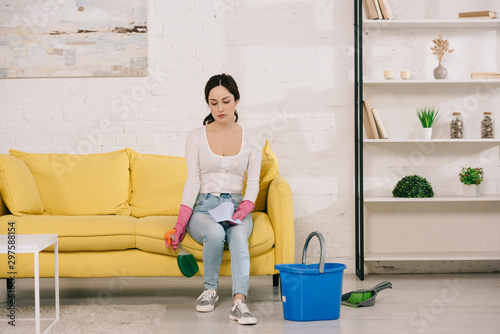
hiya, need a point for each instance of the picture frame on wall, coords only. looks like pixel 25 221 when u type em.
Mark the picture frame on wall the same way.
pixel 83 38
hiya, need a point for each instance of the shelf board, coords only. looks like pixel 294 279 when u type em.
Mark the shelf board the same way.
pixel 438 198
pixel 432 256
pixel 431 82
pixel 451 23
pixel 403 141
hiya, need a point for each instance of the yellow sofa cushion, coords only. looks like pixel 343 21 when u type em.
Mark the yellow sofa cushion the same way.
pixel 121 263
pixel 157 184
pixel 18 187
pixel 150 231
pixel 268 170
pixel 79 233
pixel 91 184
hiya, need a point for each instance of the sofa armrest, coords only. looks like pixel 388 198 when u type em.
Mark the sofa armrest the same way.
pixel 3 208
pixel 280 212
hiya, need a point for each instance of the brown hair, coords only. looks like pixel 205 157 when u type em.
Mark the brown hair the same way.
pixel 226 81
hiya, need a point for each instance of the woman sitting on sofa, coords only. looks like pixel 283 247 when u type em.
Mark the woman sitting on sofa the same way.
pixel 218 155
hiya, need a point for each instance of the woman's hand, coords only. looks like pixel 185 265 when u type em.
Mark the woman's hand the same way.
pixel 243 210
pixel 177 234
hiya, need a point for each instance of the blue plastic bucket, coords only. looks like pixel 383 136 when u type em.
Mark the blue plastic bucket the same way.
pixel 311 292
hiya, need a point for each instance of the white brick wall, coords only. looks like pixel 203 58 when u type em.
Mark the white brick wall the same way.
pixel 294 84
pixel 292 62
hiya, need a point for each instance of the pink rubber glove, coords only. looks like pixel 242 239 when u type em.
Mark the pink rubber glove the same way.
pixel 185 213
pixel 243 210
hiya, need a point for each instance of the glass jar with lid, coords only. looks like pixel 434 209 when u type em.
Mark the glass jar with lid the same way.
pixel 456 126
pixel 487 130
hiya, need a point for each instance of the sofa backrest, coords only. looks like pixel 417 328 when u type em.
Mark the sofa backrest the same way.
pixel 157 184
pixel 268 170
pixel 89 184
pixel 18 188
pixel 123 182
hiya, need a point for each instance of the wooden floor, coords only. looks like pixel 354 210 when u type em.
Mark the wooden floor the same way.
pixel 452 303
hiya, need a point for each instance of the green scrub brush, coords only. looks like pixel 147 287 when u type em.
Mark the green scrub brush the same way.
pixel 358 297
pixel 364 297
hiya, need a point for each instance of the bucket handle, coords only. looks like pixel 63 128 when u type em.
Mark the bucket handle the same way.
pixel 322 250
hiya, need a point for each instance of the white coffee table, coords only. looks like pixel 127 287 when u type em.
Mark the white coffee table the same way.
pixel 35 243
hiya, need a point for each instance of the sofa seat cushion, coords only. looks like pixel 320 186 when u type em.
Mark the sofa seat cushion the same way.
pixel 79 233
pixel 150 231
pixel 157 184
pixel 86 184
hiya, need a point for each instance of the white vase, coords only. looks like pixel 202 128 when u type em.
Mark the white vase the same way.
pixel 440 72
pixel 427 133
pixel 471 190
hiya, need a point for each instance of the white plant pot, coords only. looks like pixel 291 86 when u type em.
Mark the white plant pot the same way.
pixel 471 190
pixel 427 133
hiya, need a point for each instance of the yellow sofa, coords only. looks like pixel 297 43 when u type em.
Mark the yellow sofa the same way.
pixel 110 212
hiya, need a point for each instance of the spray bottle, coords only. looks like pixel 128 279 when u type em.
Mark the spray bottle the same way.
pixel 185 260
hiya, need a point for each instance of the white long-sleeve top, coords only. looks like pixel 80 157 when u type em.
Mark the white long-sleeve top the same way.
pixel 216 174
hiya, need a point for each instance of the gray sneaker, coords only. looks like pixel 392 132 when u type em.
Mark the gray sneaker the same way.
pixel 206 301
pixel 241 313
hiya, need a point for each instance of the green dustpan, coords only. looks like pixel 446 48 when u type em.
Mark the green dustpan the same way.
pixel 371 300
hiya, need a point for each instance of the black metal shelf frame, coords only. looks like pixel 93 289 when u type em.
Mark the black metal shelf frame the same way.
pixel 358 139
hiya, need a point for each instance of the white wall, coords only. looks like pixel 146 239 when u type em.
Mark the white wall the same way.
pixel 289 59
pixel 293 62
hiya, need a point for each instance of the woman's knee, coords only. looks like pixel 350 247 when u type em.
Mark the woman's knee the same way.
pixel 237 237
pixel 215 233
pixel 201 227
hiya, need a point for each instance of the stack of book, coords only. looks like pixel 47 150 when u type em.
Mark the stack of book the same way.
pixel 485 14
pixel 373 123
pixel 377 10
pixel 485 75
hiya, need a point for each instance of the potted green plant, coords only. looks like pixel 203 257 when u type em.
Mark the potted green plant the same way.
pixel 413 186
pixel 471 178
pixel 428 117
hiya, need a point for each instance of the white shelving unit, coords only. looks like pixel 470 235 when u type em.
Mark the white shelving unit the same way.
pixel 434 256
pixel 450 198
pixel 437 140
pixel 431 24
pixel 444 227
pixel 432 82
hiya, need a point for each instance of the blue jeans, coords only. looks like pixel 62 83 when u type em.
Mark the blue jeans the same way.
pixel 214 235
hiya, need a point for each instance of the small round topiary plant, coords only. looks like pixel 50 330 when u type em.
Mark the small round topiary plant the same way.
pixel 413 186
